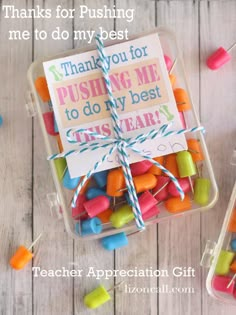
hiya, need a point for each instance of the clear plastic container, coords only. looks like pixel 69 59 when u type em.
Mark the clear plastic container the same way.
pixel 221 256
pixel 60 200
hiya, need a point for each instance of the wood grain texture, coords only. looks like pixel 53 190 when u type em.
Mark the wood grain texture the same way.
pixel 50 295
pixel 15 167
pixel 142 249
pixel 218 114
pixel 90 253
pixel 200 26
pixel 179 240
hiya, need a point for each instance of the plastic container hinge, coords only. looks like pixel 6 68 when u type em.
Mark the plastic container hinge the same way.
pixel 208 254
pixel 30 104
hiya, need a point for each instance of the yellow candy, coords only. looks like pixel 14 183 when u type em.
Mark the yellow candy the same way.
pixel 97 297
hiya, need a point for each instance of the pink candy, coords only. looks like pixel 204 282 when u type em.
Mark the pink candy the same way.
pixel 218 59
pixel 182 119
pixel 163 194
pixel 79 207
pixel 140 168
pixel 168 62
pixel 146 202
pixel 184 184
pixel 151 213
pixel 220 283
pixel 96 205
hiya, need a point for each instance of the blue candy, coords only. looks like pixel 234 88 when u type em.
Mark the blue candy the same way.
pixel 68 182
pixel 90 226
pixel 94 192
pixel 115 241
pixel 233 245
pixel 101 178
pixel 1 120
pixel 55 125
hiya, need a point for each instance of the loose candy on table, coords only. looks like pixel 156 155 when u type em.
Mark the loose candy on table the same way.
pixel 219 58
pixel 23 255
pixel 97 297
pixel 42 88
pixel 140 168
pixel 89 226
pixel 1 120
pixel 176 205
pixel 202 191
pixel 101 178
pixel 224 261
pixel 96 205
pixel 115 241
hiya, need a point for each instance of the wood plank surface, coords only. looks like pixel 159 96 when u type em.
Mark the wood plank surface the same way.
pixel 179 239
pixel 200 27
pixel 15 167
pixel 90 253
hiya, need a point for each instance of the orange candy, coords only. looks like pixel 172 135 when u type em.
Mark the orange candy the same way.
pixel 172 79
pixel 21 257
pixel 232 222
pixel 195 149
pixel 233 267
pixel 105 216
pixel 144 182
pixel 154 169
pixel 182 100
pixel 175 205
pixel 59 143
pixel 42 88
pixel 171 164
pixel 115 182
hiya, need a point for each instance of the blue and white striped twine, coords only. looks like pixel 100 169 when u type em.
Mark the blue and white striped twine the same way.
pixel 120 144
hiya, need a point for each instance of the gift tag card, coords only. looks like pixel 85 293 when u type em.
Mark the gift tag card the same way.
pixel 143 97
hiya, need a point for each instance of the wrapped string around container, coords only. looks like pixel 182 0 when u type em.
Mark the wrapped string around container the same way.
pixel 120 144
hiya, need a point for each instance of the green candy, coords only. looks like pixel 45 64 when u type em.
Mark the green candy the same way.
pixel 60 165
pixel 97 297
pixel 224 261
pixel 185 164
pixel 202 191
pixel 122 216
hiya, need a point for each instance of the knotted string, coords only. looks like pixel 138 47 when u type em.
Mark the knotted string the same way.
pixel 120 144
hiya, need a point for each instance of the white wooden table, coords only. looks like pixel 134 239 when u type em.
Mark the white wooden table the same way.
pixel 200 26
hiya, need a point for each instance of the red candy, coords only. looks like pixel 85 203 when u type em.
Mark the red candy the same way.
pixel 96 205
pixel 163 193
pixel 184 184
pixel 146 202
pixel 151 213
pixel 168 62
pixel 49 123
pixel 79 208
pixel 140 168
pixel 220 283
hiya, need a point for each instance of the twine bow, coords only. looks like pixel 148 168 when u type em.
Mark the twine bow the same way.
pixel 120 144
